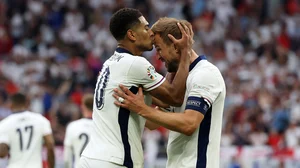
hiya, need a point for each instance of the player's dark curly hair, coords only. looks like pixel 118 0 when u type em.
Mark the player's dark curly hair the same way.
pixel 18 100
pixel 123 20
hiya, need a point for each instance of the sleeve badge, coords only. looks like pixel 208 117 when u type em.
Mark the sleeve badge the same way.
pixel 151 72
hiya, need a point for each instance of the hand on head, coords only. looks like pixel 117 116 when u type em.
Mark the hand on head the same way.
pixel 186 40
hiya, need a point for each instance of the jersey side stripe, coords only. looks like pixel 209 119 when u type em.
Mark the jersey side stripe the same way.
pixel 123 123
pixel 203 139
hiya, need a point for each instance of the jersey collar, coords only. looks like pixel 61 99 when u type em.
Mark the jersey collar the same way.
pixel 195 62
pixel 21 111
pixel 123 50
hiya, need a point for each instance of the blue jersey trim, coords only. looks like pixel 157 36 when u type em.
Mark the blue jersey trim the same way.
pixel 195 62
pixel 123 50
pixel 123 123
pixel 203 140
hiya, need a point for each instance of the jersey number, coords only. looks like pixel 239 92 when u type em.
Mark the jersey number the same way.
pixel 101 85
pixel 86 140
pixel 28 130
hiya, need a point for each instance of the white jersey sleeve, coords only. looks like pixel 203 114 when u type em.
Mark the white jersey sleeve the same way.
pixel 142 72
pixel 68 147
pixel 205 88
pixel 4 138
pixel 46 130
pixel 68 136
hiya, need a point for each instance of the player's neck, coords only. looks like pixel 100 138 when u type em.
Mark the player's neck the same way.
pixel 18 110
pixel 88 115
pixel 193 57
pixel 131 48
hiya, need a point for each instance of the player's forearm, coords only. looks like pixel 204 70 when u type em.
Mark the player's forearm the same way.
pixel 178 84
pixel 68 157
pixel 3 150
pixel 51 158
pixel 151 125
pixel 173 121
pixel 159 103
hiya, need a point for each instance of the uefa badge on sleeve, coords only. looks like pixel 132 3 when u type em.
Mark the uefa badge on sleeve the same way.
pixel 151 72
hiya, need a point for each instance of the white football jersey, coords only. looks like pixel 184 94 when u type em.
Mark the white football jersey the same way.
pixel 23 132
pixel 205 92
pixel 117 132
pixel 77 137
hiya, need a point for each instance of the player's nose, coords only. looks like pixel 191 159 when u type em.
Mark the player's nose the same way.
pixel 151 33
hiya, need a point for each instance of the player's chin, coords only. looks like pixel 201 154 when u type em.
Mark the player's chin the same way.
pixel 150 47
pixel 171 68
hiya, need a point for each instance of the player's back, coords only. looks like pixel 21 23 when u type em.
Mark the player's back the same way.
pixel 117 132
pixel 25 131
pixel 77 136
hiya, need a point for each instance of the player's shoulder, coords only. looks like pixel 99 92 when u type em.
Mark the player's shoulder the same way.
pixel 36 115
pixel 76 123
pixel 140 59
pixel 14 118
pixel 206 68
pixel 77 126
pixel 7 120
pixel 140 63
pixel 37 118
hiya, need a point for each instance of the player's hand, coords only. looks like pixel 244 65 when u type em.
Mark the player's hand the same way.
pixel 186 40
pixel 131 101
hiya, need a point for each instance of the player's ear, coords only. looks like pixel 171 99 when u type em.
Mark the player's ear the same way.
pixel 131 35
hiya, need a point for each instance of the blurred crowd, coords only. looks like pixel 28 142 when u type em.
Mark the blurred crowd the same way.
pixel 53 50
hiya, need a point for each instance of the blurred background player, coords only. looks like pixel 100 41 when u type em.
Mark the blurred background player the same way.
pixel 78 133
pixel 22 135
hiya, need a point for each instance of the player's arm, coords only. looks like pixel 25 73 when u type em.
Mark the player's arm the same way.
pixel 185 123
pixel 49 143
pixel 4 138
pixel 68 148
pixel 3 150
pixel 159 103
pixel 151 125
pixel 68 156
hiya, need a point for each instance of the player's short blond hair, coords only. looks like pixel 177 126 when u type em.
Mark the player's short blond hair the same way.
pixel 88 100
pixel 166 25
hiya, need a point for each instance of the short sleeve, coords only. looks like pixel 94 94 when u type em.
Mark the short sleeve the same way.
pixel 4 137
pixel 143 73
pixel 46 127
pixel 67 141
pixel 204 89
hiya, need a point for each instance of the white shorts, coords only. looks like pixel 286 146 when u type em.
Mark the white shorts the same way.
pixel 85 162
